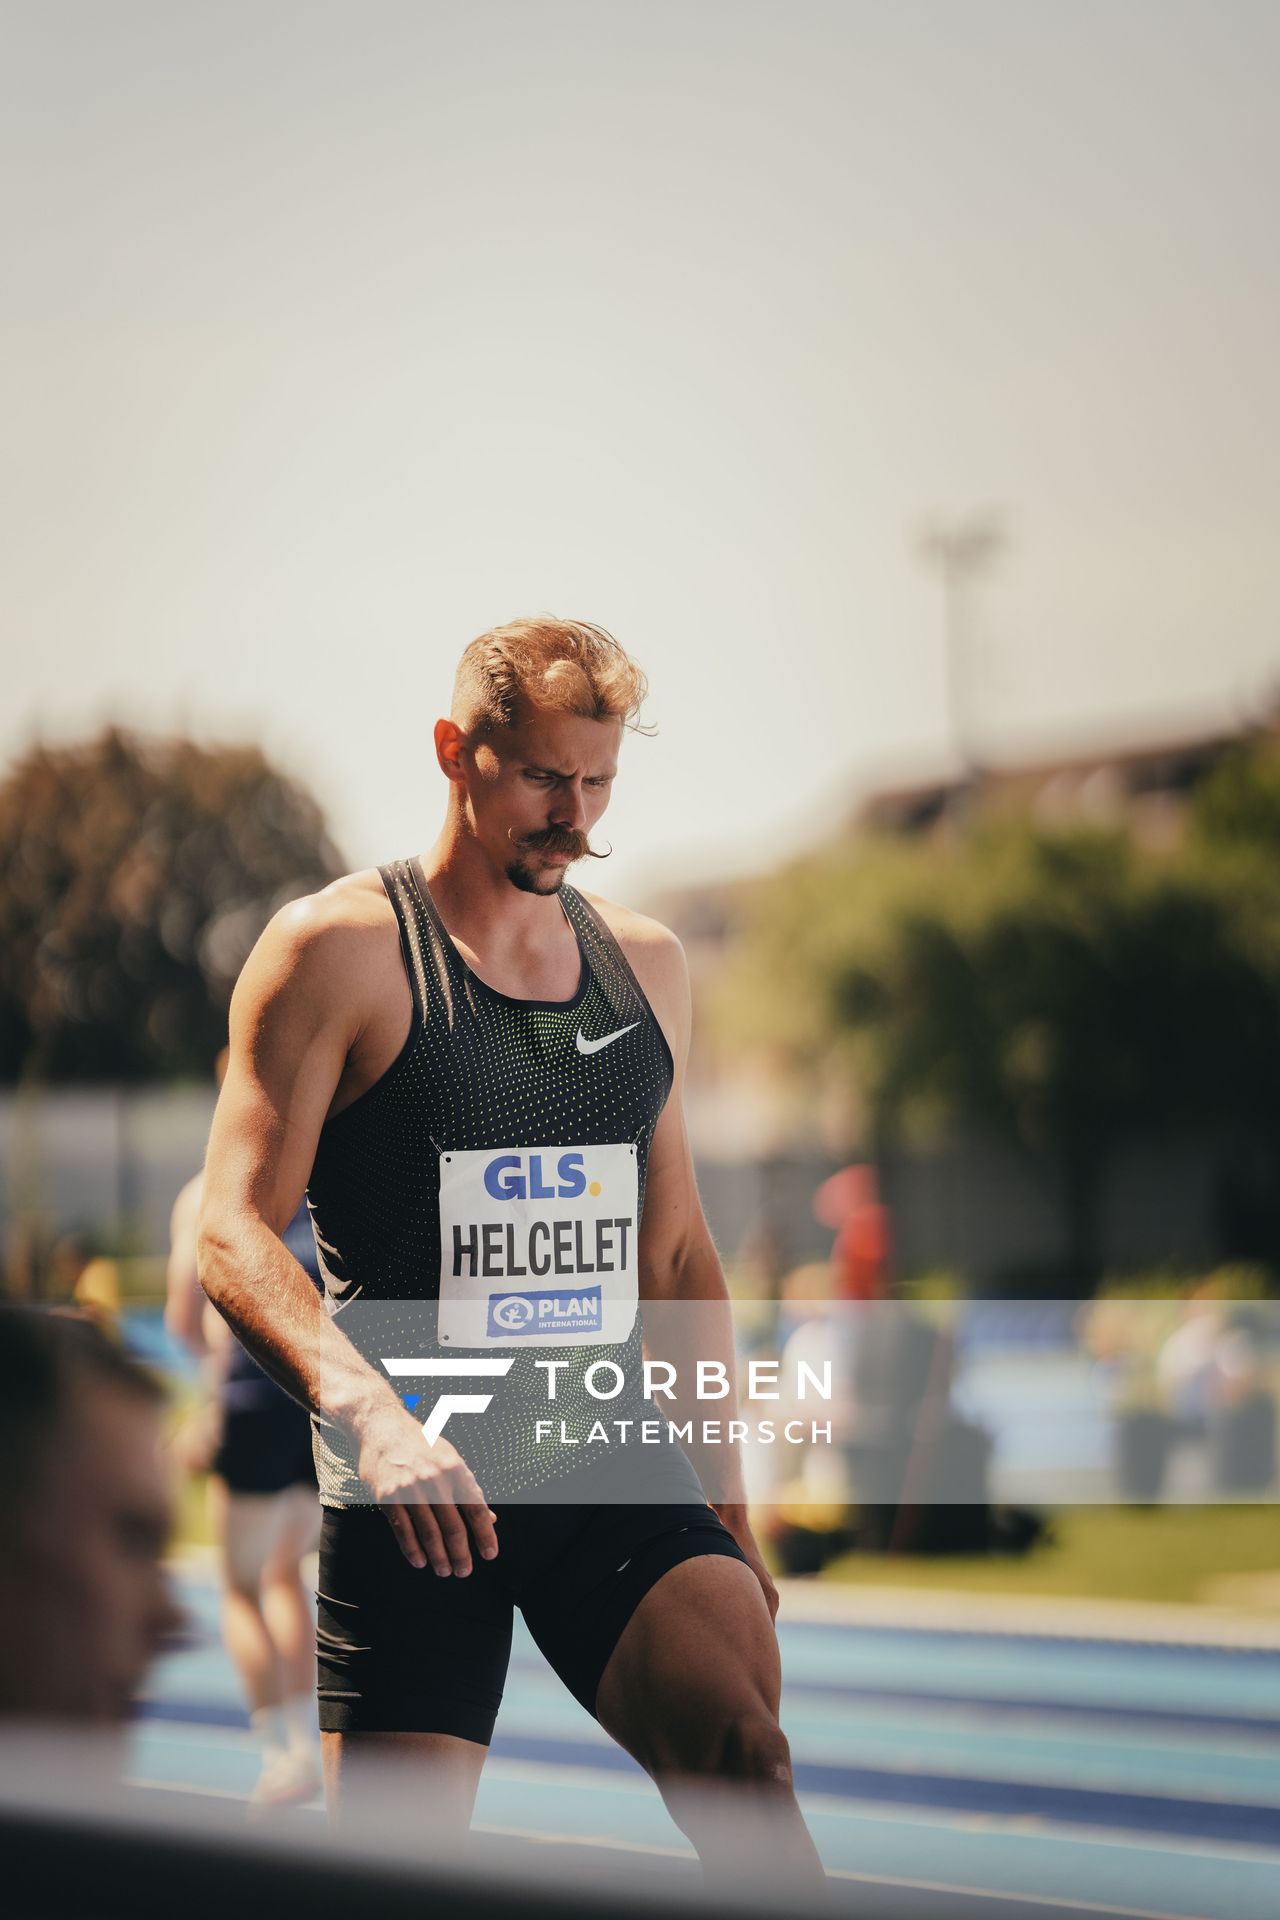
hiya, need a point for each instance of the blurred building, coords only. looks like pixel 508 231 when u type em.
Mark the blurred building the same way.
pixel 1143 784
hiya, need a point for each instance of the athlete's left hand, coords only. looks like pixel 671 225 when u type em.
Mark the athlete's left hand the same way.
pixel 735 1519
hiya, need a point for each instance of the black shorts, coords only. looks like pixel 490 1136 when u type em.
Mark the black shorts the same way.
pixel 403 1651
pixel 265 1449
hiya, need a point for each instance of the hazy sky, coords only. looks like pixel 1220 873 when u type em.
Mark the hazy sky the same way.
pixel 334 333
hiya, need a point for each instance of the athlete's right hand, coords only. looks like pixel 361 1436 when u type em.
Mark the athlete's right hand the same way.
pixel 427 1492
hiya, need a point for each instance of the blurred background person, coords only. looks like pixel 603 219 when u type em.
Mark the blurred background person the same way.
pixel 85 1515
pixel 850 1203
pixel 264 1512
pixel 1216 1386
pixel 1188 1365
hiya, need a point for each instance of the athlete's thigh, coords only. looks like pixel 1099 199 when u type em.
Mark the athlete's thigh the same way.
pixel 299 1529
pixel 246 1527
pixel 699 1650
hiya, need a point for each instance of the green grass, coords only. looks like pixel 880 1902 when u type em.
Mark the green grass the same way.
pixel 1102 1553
pixel 1106 1553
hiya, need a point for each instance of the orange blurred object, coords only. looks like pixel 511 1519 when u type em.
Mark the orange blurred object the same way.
pixel 850 1203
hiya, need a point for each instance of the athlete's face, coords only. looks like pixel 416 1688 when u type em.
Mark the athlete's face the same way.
pixel 536 790
pixel 84 1598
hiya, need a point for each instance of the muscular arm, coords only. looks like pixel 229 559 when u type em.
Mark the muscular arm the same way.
pixel 290 1036
pixel 296 1017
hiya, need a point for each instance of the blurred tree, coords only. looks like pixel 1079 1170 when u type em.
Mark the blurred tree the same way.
pixel 135 875
pixel 1058 991
pixel 1238 804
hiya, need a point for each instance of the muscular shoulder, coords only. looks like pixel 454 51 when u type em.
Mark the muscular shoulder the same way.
pixel 657 959
pixel 639 936
pixel 333 941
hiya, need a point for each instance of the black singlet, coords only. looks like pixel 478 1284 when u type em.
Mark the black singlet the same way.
pixel 481 1073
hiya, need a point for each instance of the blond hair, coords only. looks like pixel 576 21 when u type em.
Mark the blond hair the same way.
pixel 566 665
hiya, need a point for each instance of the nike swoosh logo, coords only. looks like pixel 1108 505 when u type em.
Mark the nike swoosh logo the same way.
pixel 594 1046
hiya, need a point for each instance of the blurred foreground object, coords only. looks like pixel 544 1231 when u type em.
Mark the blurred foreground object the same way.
pixel 74 1845
pixel 135 875
pixel 84 1515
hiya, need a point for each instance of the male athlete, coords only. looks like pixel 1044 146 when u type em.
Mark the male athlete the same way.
pixel 437 1051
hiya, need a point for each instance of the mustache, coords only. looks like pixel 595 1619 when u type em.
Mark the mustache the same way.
pixel 567 840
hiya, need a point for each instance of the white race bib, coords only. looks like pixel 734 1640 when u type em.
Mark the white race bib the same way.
pixel 538 1245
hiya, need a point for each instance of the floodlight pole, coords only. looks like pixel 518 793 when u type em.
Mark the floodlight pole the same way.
pixel 959 550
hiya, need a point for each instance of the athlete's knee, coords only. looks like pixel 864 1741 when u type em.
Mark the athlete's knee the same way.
pixel 744 1744
pixel 282 1571
pixel 243 1587
pixel 753 1747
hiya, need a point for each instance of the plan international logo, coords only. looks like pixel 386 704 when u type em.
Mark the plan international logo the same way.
pixel 539 1314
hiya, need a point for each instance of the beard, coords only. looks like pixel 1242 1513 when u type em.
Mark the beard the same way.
pixel 543 880
pixel 528 877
